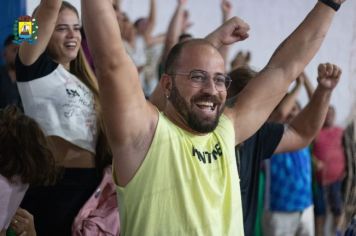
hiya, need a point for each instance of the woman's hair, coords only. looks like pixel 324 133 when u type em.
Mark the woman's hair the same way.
pixel 67 5
pixel 24 150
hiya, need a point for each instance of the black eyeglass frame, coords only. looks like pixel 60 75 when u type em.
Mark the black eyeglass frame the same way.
pixel 199 84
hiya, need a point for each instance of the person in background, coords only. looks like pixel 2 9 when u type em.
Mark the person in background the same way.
pixel 60 92
pixel 330 160
pixel 22 224
pixel 241 59
pixel 349 141
pixel 289 203
pixel 25 159
pixel 9 93
pixel 175 34
pixel 143 48
pixel 144 27
pixel 274 138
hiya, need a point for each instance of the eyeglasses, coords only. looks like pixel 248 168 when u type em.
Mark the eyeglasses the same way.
pixel 200 78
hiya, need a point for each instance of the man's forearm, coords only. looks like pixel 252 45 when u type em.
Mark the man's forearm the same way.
pixel 151 17
pixel 299 48
pixel 102 31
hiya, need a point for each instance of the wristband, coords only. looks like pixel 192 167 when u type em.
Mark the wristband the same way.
pixel 331 3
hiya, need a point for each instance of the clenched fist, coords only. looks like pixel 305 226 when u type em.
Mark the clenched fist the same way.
pixel 231 31
pixel 328 75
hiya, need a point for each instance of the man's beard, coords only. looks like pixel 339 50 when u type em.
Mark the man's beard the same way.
pixel 194 121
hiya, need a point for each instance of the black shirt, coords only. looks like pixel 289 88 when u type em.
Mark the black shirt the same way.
pixel 252 152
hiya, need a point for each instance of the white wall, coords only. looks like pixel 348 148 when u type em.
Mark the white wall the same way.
pixel 270 22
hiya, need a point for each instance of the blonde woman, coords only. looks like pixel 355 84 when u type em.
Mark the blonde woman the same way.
pixel 59 91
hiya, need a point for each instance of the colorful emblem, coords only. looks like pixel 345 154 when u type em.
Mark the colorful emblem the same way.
pixel 25 29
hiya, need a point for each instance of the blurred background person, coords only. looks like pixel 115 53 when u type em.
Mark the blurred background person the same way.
pixel 25 159
pixel 9 93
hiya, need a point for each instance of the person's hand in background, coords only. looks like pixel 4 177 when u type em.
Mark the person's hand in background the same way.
pixel 22 223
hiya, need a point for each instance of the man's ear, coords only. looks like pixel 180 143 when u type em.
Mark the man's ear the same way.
pixel 166 84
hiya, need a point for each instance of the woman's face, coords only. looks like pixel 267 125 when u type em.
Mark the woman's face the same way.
pixel 66 38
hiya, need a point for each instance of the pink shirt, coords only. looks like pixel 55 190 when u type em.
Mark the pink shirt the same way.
pixel 11 195
pixel 100 215
pixel 328 148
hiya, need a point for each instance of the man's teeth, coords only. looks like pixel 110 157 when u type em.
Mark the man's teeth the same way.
pixel 206 105
pixel 209 104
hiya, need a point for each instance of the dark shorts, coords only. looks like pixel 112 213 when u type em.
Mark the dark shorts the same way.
pixel 55 207
pixel 329 195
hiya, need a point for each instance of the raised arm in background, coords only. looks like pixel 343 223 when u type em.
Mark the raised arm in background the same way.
pixel 308 85
pixel 175 29
pixel 226 8
pixel 145 26
pixel 305 126
pixel 283 109
pixel 151 21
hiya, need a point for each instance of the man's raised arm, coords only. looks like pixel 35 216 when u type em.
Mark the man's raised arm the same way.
pixel 255 103
pixel 130 120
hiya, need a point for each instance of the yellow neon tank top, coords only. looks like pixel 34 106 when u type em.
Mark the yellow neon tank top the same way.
pixel 187 185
